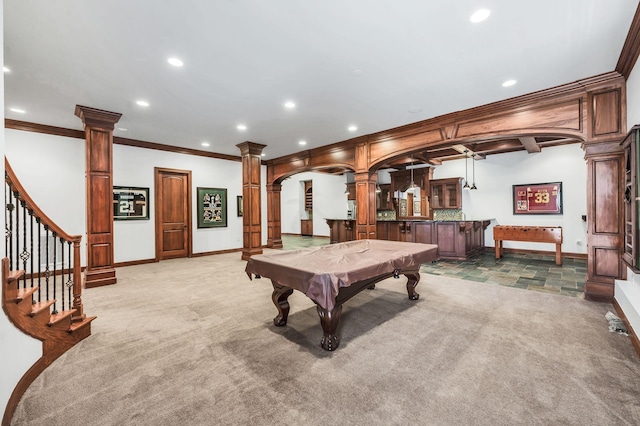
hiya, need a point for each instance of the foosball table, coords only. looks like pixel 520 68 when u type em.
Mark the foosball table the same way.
pixel 532 234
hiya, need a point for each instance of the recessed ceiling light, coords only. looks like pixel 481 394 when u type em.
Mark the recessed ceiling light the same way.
pixel 352 128
pixel 289 105
pixel 263 154
pixel 480 15
pixel 205 144
pixel 142 103
pixel 175 62
pixel 122 129
pixel 357 72
pixel 5 69
pixel 241 127
pixel 302 143
pixel 508 83
pixel 415 110
pixel 18 110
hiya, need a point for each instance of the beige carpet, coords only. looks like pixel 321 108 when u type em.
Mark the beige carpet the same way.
pixel 191 342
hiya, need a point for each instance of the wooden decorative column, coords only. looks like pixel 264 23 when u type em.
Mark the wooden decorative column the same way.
pixel 98 127
pixel 274 218
pixel 606 128
pixel 251 206
pixel 366 205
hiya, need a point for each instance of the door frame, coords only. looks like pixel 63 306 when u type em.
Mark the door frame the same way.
pixel 157 172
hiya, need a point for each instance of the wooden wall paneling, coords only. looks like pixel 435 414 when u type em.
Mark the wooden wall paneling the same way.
pixel 251 219
pixel 605 222
pixel 606 117
pixel 98 125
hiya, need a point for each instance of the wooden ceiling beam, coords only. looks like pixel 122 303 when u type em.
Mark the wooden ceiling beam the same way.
pixel 530 144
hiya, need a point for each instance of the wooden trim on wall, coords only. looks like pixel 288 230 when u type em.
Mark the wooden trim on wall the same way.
pixel 175 149
pixel 631 48
pixel 43 128
pixel 79 134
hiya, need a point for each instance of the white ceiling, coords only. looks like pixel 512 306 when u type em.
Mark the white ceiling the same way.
pixel 362 62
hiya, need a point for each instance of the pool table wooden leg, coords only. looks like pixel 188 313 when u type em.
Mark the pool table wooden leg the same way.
pixel 329 321
pixel 279 296
pixel 412 281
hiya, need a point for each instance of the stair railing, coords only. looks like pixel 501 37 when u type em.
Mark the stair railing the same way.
pixel 49 256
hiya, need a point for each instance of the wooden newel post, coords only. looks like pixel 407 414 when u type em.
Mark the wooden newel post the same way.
pixel 98 125
pixel 251 205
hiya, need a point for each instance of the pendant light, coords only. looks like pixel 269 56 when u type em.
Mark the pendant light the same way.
pixel 412 185
pixel 473 163
pixel 378 189
pixel 466 170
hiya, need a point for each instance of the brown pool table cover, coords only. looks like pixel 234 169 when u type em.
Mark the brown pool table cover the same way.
pixel 320 272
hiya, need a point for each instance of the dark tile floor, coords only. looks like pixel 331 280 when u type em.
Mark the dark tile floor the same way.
pixel 527 271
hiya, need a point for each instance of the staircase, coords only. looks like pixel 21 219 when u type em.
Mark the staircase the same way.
pixel 41 287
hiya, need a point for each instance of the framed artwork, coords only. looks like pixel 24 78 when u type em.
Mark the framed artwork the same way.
pixel 239 201
pixel 130 203
pixel 212 207
pixel 537 198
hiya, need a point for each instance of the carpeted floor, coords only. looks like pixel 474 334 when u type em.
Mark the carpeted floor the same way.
pixel 192 342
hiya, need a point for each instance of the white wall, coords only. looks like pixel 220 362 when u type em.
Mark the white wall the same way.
pixel 493 199
pixel 18 351
pixel 633 98
pixel 135 240
pixel 329 201
pixel 52 171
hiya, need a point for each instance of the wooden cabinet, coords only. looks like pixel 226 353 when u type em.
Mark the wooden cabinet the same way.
pixel 446 193
pixel 351 191
pixel 340 230
pixel 631 145
pixel 456 240
pixel 306 227
pixel 308 196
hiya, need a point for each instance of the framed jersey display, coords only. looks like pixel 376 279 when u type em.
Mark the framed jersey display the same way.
pixel 537 198
pixel 130 203
pixel 212 207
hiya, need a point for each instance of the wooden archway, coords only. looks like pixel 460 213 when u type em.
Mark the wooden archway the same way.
pixel 592 110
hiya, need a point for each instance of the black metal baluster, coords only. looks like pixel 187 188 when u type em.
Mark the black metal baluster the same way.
pixel 32 252
pixel 10 208
pixel 39 256
pixel 62 271
pixel 24 254
pixel 17 229
pixel 69 276
pixel 55 286
pixel 7 232
pixel 47 271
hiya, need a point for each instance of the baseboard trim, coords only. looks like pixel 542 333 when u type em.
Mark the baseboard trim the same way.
pixel 632 334
pixel 210 253
pixel 133 262
pixel 541 252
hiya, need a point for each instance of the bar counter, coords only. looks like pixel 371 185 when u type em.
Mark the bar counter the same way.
pixel 456 239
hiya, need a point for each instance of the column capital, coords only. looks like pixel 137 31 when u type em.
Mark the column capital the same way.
pixel 93 117
pixel 250 148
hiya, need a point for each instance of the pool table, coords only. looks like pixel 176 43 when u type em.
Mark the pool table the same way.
pixel 332 274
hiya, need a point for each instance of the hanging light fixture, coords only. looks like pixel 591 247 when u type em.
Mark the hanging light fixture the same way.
pixel 378 189
pixel 412 185
pixel 466 170
pixel 473 163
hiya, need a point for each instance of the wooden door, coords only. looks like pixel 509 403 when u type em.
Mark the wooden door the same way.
pixel 173 213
